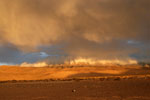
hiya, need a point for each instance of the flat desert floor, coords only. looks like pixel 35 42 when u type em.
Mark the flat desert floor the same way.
pixel 96 83
pixel 138 89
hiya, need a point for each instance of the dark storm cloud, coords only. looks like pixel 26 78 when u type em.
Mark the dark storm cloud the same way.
pixel 86 28
pixel 11 55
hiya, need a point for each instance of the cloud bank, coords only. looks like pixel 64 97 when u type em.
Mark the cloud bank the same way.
pixel 66 29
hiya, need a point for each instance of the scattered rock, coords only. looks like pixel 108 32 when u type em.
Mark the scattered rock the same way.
pixel 73 90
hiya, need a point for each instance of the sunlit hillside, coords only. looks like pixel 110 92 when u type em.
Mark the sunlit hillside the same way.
pixel 65 72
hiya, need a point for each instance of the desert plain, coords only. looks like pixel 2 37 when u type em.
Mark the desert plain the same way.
pixel 75 83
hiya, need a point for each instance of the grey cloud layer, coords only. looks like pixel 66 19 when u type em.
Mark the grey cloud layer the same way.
pixel 87 28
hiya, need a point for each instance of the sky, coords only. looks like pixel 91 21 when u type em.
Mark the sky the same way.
pixel 57 30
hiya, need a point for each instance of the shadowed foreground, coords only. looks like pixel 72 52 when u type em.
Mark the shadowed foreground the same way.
pixel 133 89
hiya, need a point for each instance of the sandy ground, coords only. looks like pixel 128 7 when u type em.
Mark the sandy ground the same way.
pixel 138 89
pixel 79 83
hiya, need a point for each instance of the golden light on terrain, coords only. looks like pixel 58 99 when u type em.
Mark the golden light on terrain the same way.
pixel 34 73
